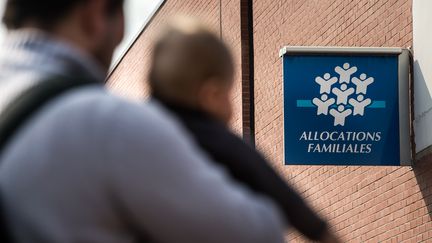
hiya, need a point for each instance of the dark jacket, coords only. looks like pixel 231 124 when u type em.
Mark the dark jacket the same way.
pixel 248 166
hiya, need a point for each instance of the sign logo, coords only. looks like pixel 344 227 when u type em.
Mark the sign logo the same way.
pixel 342 95
pixel 341 109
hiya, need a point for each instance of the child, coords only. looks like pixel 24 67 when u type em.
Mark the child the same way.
pixel 192 75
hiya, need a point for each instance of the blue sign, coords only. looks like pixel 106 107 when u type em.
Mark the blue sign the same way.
pixel 341 109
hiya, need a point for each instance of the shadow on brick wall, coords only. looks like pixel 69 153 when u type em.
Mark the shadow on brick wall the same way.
pixel 423 173
pixel 423 166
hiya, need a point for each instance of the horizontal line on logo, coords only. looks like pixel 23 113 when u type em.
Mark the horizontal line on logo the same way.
pixel 305 103
pixel 377 104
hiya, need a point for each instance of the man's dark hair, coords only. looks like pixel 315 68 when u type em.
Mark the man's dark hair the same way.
pixel 44 12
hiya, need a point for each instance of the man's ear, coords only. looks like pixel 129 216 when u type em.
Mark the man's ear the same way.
pixel 93 19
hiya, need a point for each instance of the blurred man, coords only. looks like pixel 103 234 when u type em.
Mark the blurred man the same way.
pixel 192 75
pixel 90 167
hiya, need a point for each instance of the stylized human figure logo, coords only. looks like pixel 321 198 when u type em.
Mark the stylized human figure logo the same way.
pixel 323 104
pixel 362 83
pixel 340 115
pixel 359 104
pixel 342 94
pixel 345 72
pixel 344 98
pixel 325 83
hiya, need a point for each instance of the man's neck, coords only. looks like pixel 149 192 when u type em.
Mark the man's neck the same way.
pixel 47 52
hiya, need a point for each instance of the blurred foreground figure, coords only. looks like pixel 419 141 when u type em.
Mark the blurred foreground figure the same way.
pixel 192 75
pixel 91 167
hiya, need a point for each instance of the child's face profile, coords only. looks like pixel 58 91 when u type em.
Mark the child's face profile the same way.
pixel 215 99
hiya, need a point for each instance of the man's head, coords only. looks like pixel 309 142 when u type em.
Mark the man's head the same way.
pixel 193 67
pixel 96 26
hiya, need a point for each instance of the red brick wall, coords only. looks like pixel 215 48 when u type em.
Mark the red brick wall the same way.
pixel 230 21
pixel 364 204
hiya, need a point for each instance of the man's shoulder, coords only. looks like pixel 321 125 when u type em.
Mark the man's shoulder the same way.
pixel 105 115
pixel 91 119
pixel 97 103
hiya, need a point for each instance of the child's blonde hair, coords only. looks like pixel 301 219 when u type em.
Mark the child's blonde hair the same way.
pixel 186 55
